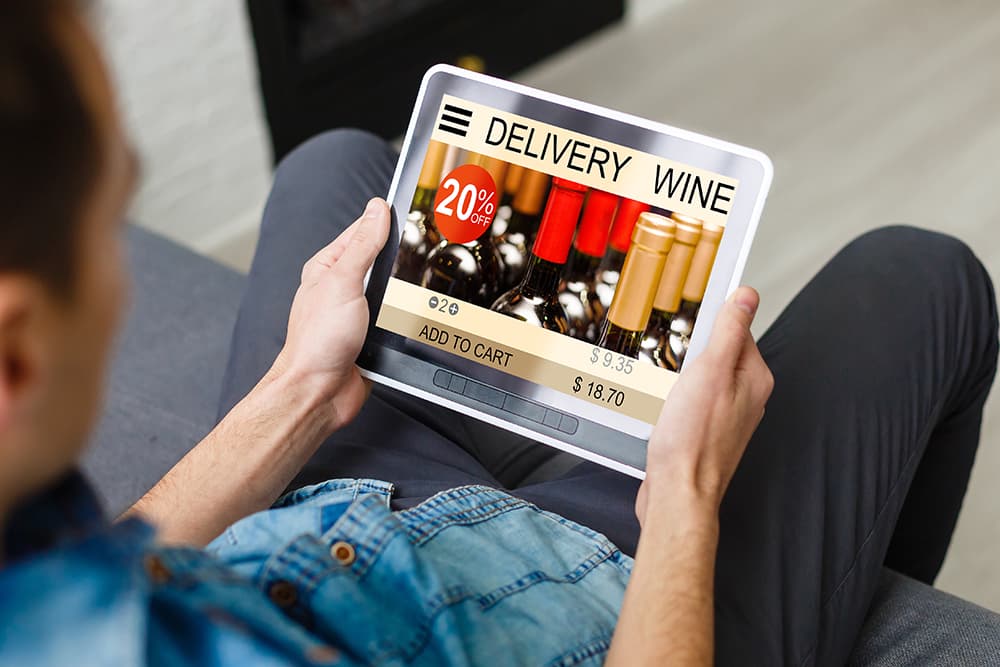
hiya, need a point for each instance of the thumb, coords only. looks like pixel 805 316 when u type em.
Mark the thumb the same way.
pixel 731 330
pixel 367 239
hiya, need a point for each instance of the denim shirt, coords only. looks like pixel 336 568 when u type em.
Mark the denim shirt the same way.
pixel 329 576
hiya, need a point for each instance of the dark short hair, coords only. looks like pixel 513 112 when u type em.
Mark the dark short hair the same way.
pixel 49 145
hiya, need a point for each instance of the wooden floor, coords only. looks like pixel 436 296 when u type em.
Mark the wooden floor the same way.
pixel 873 112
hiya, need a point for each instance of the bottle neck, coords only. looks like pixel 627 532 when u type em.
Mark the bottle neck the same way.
pixel 581 267
pixel 541 277
pixel 423 200
pixel 522 223
pixel 620 340
pixel 659 322
pixel 688 311
pixel 555 232
pixel 485 237
pixel 613 261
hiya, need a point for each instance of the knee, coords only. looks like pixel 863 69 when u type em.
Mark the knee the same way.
pixel 897 242
pixel 925 258
pixel 899 247
pixel 323 151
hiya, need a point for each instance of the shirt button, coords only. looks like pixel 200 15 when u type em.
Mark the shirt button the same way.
pixel 322 654
pixel 283 594
pixel 343 552
pixel 157 572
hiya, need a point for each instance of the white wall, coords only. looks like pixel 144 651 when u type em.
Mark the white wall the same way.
pixel 186 75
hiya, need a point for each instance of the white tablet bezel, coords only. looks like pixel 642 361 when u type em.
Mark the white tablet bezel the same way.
pixel 751 167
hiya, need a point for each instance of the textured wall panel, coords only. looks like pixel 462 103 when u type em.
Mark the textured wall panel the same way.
pixel 187 80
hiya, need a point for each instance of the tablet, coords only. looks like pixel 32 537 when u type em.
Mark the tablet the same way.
pixel 553 265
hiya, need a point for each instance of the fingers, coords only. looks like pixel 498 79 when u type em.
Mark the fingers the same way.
pixel 731 331
pixel 375 222
pixel 741 350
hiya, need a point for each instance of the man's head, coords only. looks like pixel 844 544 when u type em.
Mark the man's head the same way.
pixel 66 174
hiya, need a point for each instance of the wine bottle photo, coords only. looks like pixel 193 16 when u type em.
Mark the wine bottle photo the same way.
pixel 682 324
pixel 621 234
pixel 420 236
pixel 468 271
pixel 578 290
pixel 655 347
pixel 525 215
pixel 535 299
pixel 628 315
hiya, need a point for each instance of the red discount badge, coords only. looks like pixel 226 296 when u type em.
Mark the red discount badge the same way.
pixel 465 203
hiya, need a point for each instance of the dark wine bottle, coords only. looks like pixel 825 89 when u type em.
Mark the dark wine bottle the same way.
pixel 514 243
pixel 655 346
pixel 511 184
pixel 621 232
pixel 577 292
pixel 628 315
pixel 420 236
pixel 536 298
pixel 468 271
pixel 510 187
pixel 682 324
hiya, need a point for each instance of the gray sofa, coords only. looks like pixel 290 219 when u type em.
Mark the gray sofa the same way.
pixel 162 396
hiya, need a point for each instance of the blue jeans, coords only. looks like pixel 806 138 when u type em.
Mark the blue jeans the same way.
pixel 882 365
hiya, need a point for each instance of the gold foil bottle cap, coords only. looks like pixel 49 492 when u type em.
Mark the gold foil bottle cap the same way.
pixel 531 193
pixel 515 173
pixel 430 172
pixel 653 232
pixel 652 239
pixel 688 231
pixel 497 169
pixel 668 294
pixel 701 263
pixel 686 219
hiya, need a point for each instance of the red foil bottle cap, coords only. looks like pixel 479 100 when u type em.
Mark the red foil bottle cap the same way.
pixel 621 228
pixel 555 233
pixel 595 225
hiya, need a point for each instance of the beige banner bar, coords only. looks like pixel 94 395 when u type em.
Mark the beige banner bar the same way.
pixel 556 361
pixel 593 162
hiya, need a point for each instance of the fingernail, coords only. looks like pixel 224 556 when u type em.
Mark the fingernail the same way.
pixel 371 210
pixel 744 304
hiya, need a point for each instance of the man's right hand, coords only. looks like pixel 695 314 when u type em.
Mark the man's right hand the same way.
pixel 710 413
pixel 313 388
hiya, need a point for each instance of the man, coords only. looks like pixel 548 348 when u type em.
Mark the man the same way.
pixel 414 556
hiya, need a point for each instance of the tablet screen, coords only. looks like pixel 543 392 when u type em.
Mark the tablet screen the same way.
pixel 560 258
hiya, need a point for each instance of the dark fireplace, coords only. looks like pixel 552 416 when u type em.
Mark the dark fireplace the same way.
pixel 358 63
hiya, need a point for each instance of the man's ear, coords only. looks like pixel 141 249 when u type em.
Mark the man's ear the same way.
pixel 20 305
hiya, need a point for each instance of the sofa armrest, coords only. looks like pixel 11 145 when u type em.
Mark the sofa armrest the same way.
pixel 911 623
pixel 166 374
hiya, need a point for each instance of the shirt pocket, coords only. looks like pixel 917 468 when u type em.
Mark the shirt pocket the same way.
pixel 504 545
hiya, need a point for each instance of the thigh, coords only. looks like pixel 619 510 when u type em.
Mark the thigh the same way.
pixel 889 351
pixel 319 189
pixel 892 345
